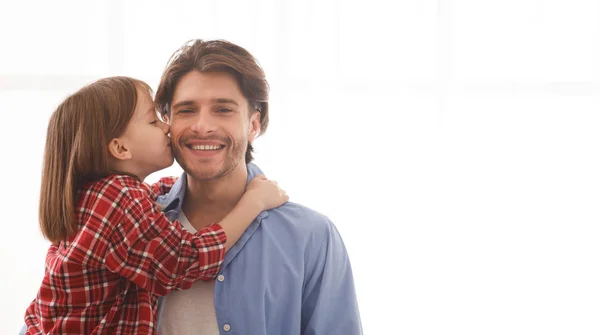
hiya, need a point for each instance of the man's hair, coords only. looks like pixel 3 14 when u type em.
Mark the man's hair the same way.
pixel 76 152
pixel 217 56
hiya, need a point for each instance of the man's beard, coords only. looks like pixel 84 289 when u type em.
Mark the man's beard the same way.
pixel 234 155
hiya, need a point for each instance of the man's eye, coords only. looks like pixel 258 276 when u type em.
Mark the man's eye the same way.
pixel 223 110
pixel 185 111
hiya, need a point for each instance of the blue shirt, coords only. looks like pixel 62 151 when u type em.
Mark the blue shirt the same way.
pixel 289 273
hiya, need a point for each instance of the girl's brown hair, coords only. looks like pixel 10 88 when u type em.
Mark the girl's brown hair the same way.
pixel 76 150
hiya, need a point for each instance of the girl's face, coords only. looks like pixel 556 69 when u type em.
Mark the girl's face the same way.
pixel 146 139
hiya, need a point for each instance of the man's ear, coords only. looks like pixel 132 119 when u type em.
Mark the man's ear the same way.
pixel 118 150
pixel 254 125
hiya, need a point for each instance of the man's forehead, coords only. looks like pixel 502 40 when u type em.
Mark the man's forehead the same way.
pixel 211 85
pixel 216 80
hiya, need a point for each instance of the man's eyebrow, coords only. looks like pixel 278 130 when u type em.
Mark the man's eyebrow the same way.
pixel 183 103
pixel 214 101
pixel 225 101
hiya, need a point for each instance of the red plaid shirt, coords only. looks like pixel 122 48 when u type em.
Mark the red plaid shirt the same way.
pixel 106 279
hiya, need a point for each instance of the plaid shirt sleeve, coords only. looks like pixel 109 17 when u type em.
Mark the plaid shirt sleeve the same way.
pixel 146 248
pixel 163 186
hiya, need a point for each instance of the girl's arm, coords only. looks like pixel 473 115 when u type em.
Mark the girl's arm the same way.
pixel 138 242
pixel 143 246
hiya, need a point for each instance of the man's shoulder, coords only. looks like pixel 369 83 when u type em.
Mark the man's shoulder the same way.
pixel 303 231
pixel 300 220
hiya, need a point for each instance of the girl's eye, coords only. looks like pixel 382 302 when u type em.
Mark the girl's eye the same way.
pixel 154 122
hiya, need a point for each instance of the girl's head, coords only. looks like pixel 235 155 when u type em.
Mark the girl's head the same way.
pixel 110 126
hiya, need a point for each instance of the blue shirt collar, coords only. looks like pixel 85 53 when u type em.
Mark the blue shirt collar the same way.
pixel 174 199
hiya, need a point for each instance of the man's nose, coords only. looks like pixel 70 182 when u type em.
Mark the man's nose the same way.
pixel 204 124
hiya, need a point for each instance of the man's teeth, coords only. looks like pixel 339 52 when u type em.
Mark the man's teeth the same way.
pixel 206 147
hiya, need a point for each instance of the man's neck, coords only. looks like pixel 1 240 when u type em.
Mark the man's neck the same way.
pixel 209 201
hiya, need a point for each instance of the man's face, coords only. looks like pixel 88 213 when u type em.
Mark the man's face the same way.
pixel 210 124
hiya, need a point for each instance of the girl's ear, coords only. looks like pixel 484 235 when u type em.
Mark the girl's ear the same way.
pixel 118 150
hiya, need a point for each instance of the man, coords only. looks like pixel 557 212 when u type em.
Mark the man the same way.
pixel 289 273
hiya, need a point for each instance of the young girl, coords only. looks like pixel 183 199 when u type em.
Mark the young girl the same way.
pixel 113 252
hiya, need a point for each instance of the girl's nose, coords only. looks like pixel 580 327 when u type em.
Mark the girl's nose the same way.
pixel 165 127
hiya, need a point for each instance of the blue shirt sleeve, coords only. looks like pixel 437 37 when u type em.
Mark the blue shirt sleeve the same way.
pixel 329 304
pixel 23 330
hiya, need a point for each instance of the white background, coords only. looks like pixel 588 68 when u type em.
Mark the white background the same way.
pixel 454 143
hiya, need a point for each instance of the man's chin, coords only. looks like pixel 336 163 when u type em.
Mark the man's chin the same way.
pixel 206 170
pixel 207 173
pixel 204 175
pixel 202 171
